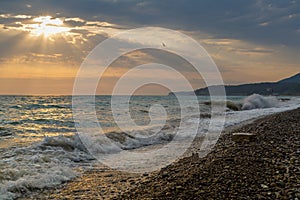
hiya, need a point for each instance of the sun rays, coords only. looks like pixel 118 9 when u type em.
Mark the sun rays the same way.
pixel 47 26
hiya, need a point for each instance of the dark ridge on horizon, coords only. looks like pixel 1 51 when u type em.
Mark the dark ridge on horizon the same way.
pixel 292 79
pixel 286 87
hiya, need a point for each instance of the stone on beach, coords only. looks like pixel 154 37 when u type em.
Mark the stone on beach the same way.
pixel 243 137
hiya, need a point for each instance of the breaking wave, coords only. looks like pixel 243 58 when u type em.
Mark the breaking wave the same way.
pixel 45 164
pixel 54 160
pixel 257 101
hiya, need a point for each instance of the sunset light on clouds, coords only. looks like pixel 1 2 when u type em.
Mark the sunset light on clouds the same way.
pixel 45 42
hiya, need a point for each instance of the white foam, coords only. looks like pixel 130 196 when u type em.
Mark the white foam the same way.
pixel 257 101
pixel 273 106
pixel 45 164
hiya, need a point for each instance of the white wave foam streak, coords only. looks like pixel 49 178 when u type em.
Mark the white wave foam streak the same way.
pixel 240 116
pixel 45 164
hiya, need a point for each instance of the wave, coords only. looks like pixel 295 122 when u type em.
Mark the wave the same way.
pixel 53 160
pixel 5 132
pixel 128 141
pixel 45 164
pixel 229 104
pixel 257 101
pixel 253 101
pixel 54 176
pixel 115 141
pixel 41 106
pixel 66 143
pixel 68 123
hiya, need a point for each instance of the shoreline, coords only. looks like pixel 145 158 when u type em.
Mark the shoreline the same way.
pixel 267 168
pixel 104 183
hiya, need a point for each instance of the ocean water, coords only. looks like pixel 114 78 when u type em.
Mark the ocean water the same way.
pixel 39 147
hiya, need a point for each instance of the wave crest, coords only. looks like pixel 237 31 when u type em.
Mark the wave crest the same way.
pixel 257 101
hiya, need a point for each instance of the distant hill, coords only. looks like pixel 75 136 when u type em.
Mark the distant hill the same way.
pixel 289 86
pixel 293 79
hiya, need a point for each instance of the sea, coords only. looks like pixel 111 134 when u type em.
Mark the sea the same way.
pixel 40 146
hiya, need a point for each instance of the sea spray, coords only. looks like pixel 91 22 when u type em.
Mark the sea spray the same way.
pixel 257 101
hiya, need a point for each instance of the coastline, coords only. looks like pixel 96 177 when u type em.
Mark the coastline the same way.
pixel 267 168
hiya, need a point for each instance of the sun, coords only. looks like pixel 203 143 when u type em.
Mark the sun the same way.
pixel 47 26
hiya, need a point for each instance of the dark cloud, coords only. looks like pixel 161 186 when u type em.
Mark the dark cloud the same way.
pixel 73 23
pixel 268 22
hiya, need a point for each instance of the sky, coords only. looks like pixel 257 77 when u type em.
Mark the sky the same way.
pixel 43 43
